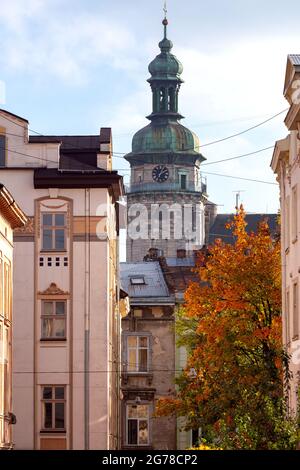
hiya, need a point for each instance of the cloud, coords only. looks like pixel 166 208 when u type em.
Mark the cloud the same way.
pixel 38 43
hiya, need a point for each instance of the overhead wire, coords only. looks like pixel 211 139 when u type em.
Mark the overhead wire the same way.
pixel 115 154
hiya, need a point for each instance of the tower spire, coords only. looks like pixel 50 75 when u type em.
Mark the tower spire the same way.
pixel 165 20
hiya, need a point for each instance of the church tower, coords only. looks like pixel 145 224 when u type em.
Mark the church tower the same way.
pixel 167 196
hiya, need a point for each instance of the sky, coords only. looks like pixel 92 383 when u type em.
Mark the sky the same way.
pixel 73 66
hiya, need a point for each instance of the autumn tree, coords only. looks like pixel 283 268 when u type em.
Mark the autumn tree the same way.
pixel 234 381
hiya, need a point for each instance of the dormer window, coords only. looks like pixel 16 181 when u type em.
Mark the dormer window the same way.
pixel 137 280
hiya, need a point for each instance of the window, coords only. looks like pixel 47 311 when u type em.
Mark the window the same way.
pixel 195 437
pixel 294 214
pixel 287 222
pixel 162 99
pixel 137 424
pixel 295 311
pixel 2 150
pixel 183 181
pixel 7 291
pixel 53 407
pixel 287 317
pixel 53 231
pixel 53 319
pixel 137 353
pixel 136 280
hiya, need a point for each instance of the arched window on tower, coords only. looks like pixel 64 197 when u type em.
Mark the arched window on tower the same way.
pixel 172 99
pixel 162 95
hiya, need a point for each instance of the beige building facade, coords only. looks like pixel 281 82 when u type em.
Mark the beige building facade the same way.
pixel 11 217
pixel 148 358
pixel 285 164
pixel 66 300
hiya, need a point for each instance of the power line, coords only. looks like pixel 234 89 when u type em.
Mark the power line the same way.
pixel 187 149
pixel 246 130
pixel 238 156
pixel 209 123
pixel 128 169
pixel 230 136
pixel 220 161
pixel 240 178
pixel 214 174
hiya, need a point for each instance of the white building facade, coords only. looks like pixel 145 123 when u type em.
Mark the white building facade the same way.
pixel 286 165
pixel 66 298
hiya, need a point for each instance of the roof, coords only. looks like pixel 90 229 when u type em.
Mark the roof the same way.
pixel 13 115
pixel 219 230
pixel 10 210
pixel 155 287
pixel 77 152
pixel 292 68
pixel 178 273
pixel 295 59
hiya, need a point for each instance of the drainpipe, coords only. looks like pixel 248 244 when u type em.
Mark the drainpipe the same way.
pixel 87 321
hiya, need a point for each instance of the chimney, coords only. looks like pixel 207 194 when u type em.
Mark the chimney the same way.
pixel 104 157
pixel 181 253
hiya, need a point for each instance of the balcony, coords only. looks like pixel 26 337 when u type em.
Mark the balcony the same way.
pixel 167 186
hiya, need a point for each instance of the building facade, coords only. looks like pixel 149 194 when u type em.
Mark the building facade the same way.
pixel 148 357
pixel 168 219
pixel 285 164
pixel 11 217
pixel 66 298
pixel 167 197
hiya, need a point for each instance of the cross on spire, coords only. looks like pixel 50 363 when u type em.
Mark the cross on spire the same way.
pixel 165 21
pixel 165 9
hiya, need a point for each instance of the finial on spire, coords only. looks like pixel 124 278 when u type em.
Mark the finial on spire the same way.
pixel 165 10
pixel 165 20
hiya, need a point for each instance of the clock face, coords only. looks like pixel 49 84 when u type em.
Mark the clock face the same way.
pixel 160 173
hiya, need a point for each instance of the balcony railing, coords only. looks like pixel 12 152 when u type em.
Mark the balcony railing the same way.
pixel 176 187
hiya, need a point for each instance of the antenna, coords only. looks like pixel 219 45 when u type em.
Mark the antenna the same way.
pixel 237 198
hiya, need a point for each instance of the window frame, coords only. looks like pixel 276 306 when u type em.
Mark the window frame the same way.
pixel 4 137
pixel 294 220
pixel 137 280
pixel 53 228
pixel 54 317
pixel 7 289
pixel 126 336
pixel 287 231
pixel 142 403
pixel 53 401
pixel 295 322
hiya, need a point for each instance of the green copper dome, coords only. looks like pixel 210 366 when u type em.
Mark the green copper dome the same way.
pixel 165 138
pixel 169 137
pixel 165 66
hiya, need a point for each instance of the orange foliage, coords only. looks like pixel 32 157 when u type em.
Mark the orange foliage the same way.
pixel 237 305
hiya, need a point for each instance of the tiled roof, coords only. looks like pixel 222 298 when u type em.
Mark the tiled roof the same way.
pixel 155 285
pixel 219 230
